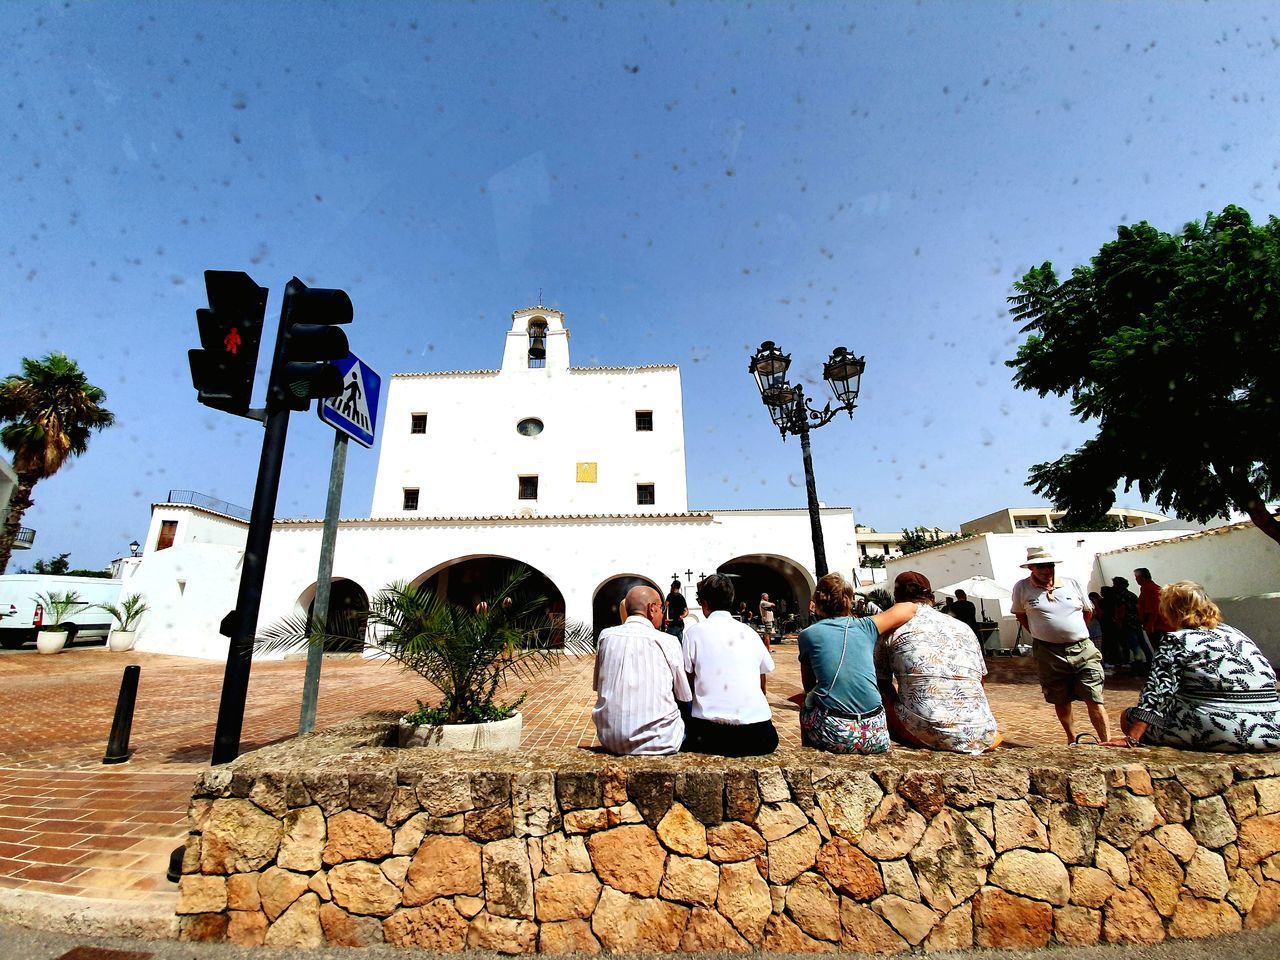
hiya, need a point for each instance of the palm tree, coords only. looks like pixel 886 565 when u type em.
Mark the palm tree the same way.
pixel 465 653
pixel 48 412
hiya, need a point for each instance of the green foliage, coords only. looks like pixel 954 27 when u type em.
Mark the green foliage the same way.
pixel 922 538
pixel 49 412
pixel 1075 521
pixel 464 653
pixel 873 561
pixel 1169 343
pixel 881 598
pixel 129 611
pixel 58 605
pixel 99 574
pixel 57 566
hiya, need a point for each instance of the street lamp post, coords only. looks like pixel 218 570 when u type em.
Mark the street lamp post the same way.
pixel 793 413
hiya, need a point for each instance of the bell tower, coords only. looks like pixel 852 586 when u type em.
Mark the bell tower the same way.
pixel 537 340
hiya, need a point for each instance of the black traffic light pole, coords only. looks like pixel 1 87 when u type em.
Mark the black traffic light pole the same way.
pixel 300 371
pixel 244 619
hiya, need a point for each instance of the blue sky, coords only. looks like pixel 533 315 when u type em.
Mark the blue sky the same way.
pixel 682 179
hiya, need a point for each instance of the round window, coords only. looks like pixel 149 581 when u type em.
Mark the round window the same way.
pixel 529 427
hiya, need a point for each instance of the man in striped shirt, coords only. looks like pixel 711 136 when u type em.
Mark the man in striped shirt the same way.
pixel 639 677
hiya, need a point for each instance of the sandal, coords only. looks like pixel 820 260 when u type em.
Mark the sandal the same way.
pixel 1081 741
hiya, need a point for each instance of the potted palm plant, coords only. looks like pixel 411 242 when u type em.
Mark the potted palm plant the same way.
pixel 57 606
pixel 464 652
pixel 127 614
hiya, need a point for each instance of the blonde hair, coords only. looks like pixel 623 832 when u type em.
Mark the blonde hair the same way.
pixel 833 597
pixel 1185 604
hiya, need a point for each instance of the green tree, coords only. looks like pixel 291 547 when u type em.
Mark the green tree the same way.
pixel 922 538
pixel 48 411
pixel 1169 343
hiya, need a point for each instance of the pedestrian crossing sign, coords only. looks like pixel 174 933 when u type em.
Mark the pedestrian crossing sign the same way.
pixel 355 410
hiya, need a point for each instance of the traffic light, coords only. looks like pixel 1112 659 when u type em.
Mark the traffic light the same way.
pixel 309 340
pixel 222 370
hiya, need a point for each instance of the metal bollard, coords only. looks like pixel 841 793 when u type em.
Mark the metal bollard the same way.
pixel 122 725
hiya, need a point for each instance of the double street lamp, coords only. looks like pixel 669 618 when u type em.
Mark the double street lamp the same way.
pixel 793 413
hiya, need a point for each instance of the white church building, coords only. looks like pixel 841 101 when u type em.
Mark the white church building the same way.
pixel 575 472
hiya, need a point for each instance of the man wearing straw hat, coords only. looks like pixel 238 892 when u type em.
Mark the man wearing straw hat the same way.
pixel 1055 610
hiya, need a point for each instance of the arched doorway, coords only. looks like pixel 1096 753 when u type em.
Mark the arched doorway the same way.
pixel 348 616
pixel 467 581
pixel 784 580
pixel 604 604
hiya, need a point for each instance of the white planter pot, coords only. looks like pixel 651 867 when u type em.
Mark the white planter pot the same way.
pixel 499 735
pixel 122 640
pixel 51 641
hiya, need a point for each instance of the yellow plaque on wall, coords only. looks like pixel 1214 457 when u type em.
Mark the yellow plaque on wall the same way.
pixel 586 473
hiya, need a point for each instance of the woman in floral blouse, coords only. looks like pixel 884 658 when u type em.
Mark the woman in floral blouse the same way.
pixel 930 672
pixel 1210 686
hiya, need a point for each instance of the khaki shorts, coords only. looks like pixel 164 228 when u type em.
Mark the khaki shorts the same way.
pixel 1069 671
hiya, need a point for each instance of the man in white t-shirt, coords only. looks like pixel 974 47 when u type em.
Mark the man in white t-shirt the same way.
pixel 726 661
pixel 1056 612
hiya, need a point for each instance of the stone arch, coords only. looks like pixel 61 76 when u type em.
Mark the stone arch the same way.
pixel 468 580
pixel 348 613
pixel 780 577
pixel 608 594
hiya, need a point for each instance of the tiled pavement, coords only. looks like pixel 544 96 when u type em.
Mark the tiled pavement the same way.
pixel 69 825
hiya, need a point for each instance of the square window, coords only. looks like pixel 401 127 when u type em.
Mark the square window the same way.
pixel 586 473
pixel 644 494
pixel 410 498
pixel 418 423
pixel 528 488
pixel 644 420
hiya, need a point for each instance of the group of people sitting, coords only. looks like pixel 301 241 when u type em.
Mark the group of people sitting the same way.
pixel 909 673
pixel 913 675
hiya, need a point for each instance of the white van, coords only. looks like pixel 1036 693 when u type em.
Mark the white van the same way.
pixel 21 615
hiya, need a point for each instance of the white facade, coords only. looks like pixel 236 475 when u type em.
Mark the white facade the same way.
pixel 1238 565
pixel 999 556
pixel 590 455
pixel 453 438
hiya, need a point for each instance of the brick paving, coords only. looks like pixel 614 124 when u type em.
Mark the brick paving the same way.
pixel 70 825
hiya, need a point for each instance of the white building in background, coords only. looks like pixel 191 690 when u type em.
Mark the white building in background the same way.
pixel 998 556
pixel 576 472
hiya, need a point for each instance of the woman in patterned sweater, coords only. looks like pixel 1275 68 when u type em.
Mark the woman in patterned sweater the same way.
pixel 1210 687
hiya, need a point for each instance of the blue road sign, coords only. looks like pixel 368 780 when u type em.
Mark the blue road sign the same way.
pixel 355 410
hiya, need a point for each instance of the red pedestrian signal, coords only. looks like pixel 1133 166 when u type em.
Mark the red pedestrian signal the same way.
pixel 222 370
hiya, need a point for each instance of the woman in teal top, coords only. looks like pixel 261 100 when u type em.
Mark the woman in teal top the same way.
pixel 842 710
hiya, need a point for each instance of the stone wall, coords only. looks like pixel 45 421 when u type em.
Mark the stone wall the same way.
pixel 333 840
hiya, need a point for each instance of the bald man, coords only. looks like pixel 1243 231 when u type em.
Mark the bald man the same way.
pixel 639 677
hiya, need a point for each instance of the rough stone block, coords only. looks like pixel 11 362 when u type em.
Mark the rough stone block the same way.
pixel 361 887
pixel 1155 870
pixel 793 855
pixel 567 937
pixel 708 931
pixel 741 796
pixel 1172 801
pixel 1040 876
pixel 341 929
pixel 1206 779
pixel 702 794
pixel 1211 822
pixel 652 792
pixel 328 790
pixel 924 791
pixel 629 859
pixel 730 842
pixel 489 823
pixel 238 838
pixel 536 811
pixel 628 924
pixel 200 894
pixel 690 881
pixel 436 926
pixel 356 836
pixel 849 870
pixel 443 794
pixel 1077 926
pixel 865 931
pixel 442 867
pixel 579 790
pixel 1001 919
pixel 1129 917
